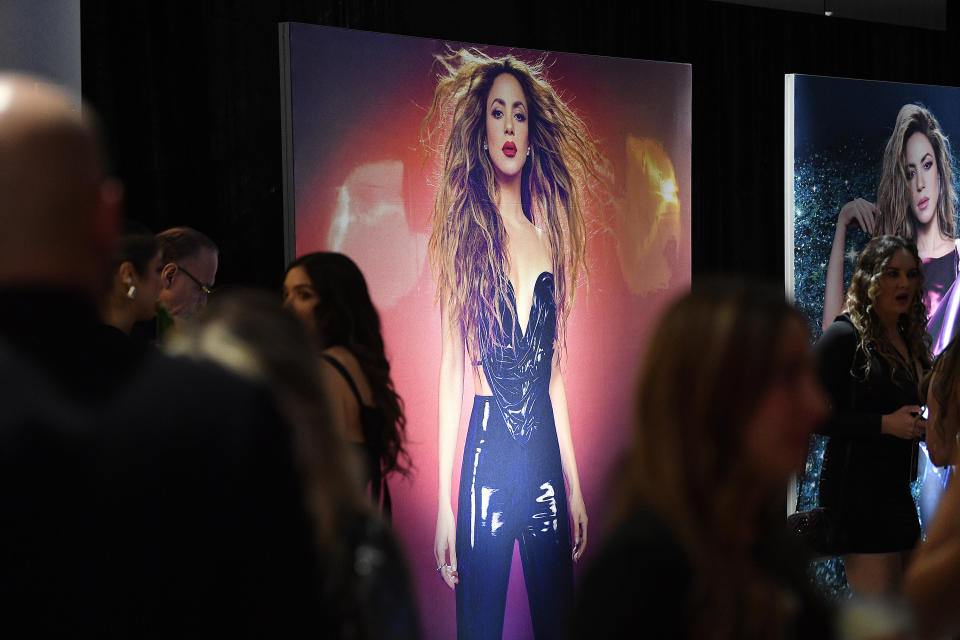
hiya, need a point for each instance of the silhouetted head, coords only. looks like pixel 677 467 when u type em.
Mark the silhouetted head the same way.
pixel 59 210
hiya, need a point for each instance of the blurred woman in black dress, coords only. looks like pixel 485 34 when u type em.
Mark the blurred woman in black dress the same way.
pixel 727 400
pixel 363 586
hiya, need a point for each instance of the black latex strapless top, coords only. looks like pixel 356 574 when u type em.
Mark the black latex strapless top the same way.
pixel 518 366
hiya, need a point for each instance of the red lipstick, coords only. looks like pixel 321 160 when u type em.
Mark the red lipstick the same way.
pixel 509 149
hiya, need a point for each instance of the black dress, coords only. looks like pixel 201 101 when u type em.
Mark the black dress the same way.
pixel 866 475
pixel 641 584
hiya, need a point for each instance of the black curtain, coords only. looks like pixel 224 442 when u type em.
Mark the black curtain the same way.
pixel 190 96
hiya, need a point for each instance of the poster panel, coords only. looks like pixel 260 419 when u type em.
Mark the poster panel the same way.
pixel 358 180
pixel 836 131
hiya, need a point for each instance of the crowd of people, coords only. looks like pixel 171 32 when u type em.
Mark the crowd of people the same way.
pixel 227 471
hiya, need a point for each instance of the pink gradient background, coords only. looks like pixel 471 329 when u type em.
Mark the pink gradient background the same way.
pixel 357 101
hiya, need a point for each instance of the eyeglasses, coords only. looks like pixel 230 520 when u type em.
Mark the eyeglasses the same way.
pixel 206 289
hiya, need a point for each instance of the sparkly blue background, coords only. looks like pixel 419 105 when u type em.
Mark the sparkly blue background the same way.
pixel 840 130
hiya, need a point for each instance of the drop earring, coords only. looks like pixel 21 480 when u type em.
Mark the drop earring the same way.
pixel 484 146
pixel 132 292
pixel 529 151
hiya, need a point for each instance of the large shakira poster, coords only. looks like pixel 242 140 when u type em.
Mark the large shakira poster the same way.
pixel 865 159
pixel 542 201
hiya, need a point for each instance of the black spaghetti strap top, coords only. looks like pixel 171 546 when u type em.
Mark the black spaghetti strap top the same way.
pixel 369 450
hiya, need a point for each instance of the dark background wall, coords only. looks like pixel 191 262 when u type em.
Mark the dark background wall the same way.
pixel 190 93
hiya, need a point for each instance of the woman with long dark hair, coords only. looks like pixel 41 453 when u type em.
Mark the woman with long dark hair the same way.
pixel 328 294
pixel 871 361
pixel 727 399
pixel 507 249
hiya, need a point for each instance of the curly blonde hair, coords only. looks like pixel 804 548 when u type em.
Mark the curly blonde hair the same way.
pixel 468 243
pixel 893 193
pixel 862 293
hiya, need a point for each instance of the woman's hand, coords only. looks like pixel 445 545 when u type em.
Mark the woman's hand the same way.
pixel 578 513
pixel 904 423
pixel 446 540
pixel 858 211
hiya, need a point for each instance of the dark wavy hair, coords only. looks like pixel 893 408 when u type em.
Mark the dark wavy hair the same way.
pixel 864 286
pixel 346 317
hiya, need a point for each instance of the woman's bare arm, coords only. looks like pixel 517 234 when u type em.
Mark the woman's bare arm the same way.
pixel 864 215
pixel 448 421
pixel 561 417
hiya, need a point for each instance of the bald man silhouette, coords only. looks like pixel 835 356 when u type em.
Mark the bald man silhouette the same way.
pixel 161 500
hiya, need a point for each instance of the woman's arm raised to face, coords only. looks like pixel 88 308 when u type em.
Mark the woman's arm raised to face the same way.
pixel 864 214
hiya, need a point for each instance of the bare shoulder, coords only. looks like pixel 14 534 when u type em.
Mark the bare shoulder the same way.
pixel 342 355
pixel 349 362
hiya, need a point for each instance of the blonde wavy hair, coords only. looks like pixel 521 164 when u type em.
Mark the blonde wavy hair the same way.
pixel 467 248
pixel 861 295
pixel 893 193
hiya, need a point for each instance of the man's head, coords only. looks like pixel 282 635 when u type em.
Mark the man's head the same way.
pixel 190 262
pixel 58 210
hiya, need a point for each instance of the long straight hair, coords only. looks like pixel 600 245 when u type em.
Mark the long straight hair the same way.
pixel 893 193
pixel 711 359
pixel 943 381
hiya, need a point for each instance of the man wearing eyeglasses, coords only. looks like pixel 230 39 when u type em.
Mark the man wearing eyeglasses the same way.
pixel 189 260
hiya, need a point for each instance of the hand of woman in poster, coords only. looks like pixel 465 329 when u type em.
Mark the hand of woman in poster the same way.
pixel 858 211
pixel 904 423
pixel 448 415
pixel 446 540
pixel 561 417
pixel 578 514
